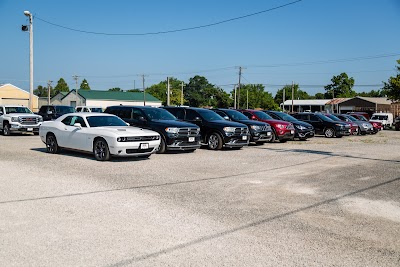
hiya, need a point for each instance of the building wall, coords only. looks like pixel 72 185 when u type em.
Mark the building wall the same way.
pixel 12 95
pixel 73 100
pixel 107 103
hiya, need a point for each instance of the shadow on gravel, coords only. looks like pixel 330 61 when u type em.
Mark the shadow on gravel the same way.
pixel 132 260
pixel 326 153
pixel 77 154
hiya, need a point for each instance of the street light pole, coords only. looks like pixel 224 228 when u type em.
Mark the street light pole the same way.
pixel 29 15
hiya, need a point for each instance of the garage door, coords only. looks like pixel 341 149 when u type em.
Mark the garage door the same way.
pixel 19 102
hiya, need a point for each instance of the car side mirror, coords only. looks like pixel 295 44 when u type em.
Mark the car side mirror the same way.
pixel 226 118
pixel 198 119
pixel 78 125
pixel 1 113
pixel 143 119
pixel 49 112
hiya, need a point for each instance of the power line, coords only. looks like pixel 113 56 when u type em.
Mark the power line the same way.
pixel 172 31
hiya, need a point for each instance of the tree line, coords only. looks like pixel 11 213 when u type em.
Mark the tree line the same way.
pixel 199 92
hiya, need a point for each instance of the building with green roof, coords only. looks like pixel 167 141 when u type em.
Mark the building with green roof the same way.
pixel 107 98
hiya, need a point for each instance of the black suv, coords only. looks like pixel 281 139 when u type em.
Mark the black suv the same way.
pixel 303 130
pixel 324 125
pixel 216 132
pixel 176 135
pixel 52 112
pixel 260 132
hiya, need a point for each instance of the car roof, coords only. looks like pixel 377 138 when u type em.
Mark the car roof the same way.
pixel 89 114
pixel 131 106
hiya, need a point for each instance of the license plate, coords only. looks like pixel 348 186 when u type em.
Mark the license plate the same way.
pixel 144 146
pixel 244 137
pixel 29 129
pixel 191 139
pixel 269 133
pixel 292 132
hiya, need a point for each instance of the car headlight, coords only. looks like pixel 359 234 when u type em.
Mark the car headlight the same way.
pixel 300 127
pixel 255 127
pixel 340 125
pixel 229 129
pixel 173 130
pixel 14 119
pixel 40 119
pixel 280 126
pixel 366 125
pixel 121 139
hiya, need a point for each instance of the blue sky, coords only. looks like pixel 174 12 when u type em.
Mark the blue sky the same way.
pixel 271 46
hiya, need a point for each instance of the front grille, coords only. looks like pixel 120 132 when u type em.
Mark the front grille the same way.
pixel 241 130
pixel 142 138
pixel 28 120
pixel 133 151
pixel 187 131
pixel 265 128
pixel 347 126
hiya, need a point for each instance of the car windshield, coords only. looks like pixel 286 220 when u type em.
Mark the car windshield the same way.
pixel 209 115
pixel 351 118
pixel 262 115
pixel 100 121
pixel 158 114
pixel 324 118
pixel 333 117
pixel 97 110
pixel 10 110
pixel 361 118
pixel 286 117
pixel 64 109
pixel 379 117
pixel 236 115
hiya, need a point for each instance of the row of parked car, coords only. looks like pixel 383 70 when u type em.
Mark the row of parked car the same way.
pixel 171 128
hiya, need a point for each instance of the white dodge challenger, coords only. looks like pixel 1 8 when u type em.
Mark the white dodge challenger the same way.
pixel 104 135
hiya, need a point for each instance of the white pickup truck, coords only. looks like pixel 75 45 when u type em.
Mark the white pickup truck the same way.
pixel 18 119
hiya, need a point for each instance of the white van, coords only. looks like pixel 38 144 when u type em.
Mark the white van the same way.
pixel 88 109
pixel 385 118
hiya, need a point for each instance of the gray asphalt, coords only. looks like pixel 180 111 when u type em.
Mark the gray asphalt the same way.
pixel 323 202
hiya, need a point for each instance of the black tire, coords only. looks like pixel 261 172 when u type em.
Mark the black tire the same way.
pixel 100 150
pixel 51 144
pixel 273 137
pixel 6 130
pixel 329 132
pixel 214 141
pixel 162 147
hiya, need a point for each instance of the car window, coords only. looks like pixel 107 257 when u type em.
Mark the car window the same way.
pixel 125 113
pixel 314 118
pixel 42 109
pixel 136 114
pixel 236 115
pixel 158 114
pixel 191 115
pixel 274 116
pixel 221 113
pixel 100 121
pixel 67 120
pixel 71 120
pixel 78 109
pixel 248 114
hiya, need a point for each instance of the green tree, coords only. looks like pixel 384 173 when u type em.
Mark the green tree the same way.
pixel 41 91
pixel 341 86
pixel 194 91
pixel 298 94
pixel 115 89
pixel 392 88
pixel 160 91
pixel 84 85
pixel 134 90
pixel 258 97
pixel 61 86
pixel 372 93
pixel 319 96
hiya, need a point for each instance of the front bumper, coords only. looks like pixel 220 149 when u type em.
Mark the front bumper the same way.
pixel 183 142
pixel 236 140
pixel 343 132
pixel 261 136
pixel 131 149
pixel 304 133
pixel 288 135
pixel 16 127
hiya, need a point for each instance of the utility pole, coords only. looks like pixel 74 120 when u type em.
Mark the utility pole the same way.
pixel 234 102
pixel 333 97
pixel 168 92
pixel 48 91
pixel 75 77
pixel 182 95
pixel 283 98
pixel 240 76
pixel 30 16
pixel 292 96
pixel 134 84
pixel 144 91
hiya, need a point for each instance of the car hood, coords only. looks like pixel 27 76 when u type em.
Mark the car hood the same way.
pixel 225 123
pixel 124 130
pixel 252 122
pixel 172 123
pixel 272 121
pixel 22 114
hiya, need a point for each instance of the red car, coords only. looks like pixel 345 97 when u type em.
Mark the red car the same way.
pixel 281 130
pixel 353 125
pixel 378 126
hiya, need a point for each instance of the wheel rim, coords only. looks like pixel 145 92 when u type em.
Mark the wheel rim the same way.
pixel 6 130
pixel 329 133
pixel 100 150
pixel 213 141
pixel 51 142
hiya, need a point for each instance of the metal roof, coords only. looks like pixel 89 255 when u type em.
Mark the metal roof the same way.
pixel 307 102
pixel 112 95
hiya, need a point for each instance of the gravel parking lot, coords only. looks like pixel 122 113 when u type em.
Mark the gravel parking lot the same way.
pixel 322 202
